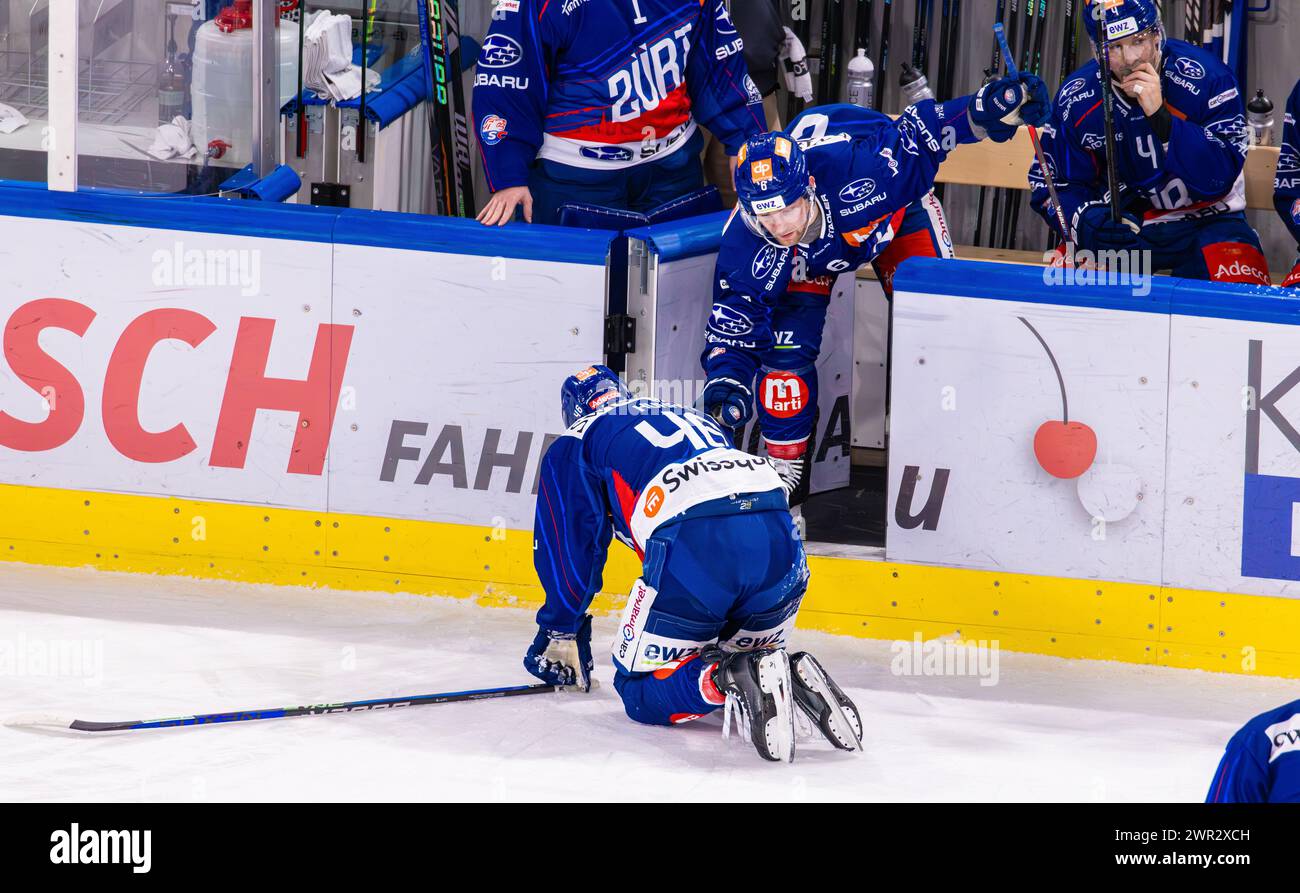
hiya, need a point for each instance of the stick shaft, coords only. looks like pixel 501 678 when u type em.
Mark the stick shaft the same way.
pixel 315 709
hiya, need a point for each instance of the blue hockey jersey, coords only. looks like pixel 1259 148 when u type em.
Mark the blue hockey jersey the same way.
pixel 1262 761
pixel 608 84
pixel 868 168
pixel 624 471
pixel 1197 173
pixel 1286 185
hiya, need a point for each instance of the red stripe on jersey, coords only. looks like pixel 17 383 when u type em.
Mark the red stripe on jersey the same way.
pixel 671 113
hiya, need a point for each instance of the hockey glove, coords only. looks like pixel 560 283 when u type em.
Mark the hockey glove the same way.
pixel 1001 106
pixel 562 658
pixel 1096 231
pixel 728 401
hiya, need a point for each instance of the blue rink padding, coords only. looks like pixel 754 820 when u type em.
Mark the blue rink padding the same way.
pixel 1169 296
pixel 307 223
pixel 683 238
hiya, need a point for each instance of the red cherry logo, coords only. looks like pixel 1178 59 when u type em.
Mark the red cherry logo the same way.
pixel 1065 449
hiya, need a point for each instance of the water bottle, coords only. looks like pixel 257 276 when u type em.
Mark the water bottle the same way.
pixel 861 74
pixel 1259 114
pixel 915 86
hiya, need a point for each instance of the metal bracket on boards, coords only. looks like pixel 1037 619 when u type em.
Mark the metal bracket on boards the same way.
pixel 642 265
pixel 332 195
pixel 620 334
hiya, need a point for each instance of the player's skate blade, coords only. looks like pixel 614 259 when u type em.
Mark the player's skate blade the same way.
pixel 825 704
pixel 760 697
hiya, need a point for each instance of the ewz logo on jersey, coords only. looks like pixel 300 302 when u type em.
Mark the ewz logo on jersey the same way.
pixel 1270 528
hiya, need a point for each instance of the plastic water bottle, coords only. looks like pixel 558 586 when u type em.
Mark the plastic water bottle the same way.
pixel 861 75
pixel 915 86
pixel 1259 114
pixel 222 90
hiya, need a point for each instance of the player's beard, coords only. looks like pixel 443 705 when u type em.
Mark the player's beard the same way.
pixel 1153 57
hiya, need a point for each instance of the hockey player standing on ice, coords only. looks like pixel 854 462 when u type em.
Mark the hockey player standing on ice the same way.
pixel 1286 185
pixel 1262 761
pixel 724 570
pixel 596 101
pixel 846 186
pixel 1181 142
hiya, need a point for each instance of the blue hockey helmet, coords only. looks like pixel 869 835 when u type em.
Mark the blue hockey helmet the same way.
pixel 771 175
pixel 584 392
pixel 1124 18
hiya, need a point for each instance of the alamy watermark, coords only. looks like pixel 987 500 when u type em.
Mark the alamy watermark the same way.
pixel 70 658
pixel 1131 269
pixel 946 656
pixel 206 267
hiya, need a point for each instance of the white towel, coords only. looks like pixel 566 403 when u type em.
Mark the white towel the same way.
pixel 327 67
pixel 173 141
pixel 10 118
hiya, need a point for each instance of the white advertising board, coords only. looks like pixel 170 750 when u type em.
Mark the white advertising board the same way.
pixel 300 374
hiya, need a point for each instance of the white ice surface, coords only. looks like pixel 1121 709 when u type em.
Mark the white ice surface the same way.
pixel 1049 730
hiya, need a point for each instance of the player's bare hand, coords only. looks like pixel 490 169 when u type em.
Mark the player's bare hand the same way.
pixel 500 209
pixel 1143 84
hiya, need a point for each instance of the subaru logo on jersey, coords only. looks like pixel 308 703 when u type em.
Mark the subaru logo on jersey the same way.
pixel 492 130
pixel 1190 68
pixel 728 321
pixel 1073 87
pixel 606 153
pixel 499 51
pixel 764 261
pixel 725 25
pixel 858 190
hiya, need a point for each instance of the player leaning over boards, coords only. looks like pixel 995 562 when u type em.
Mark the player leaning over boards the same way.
pixel 724 570
pixel 596 101
pixel 1262 761
pixel 846 186
pixel 1286 185
pixel 1181 142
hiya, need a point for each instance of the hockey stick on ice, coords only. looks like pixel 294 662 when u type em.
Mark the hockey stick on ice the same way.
pixel 482 694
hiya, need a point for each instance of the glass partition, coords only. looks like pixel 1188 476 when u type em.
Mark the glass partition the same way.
pixel 24 94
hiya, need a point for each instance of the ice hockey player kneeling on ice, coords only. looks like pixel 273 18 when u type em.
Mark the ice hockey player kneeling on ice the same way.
pixel 1286 185
pixel 1262 762
pixel 845 187
pixel 1181 143
pixel 723 570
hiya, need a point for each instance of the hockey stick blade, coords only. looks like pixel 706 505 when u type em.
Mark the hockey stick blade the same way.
pixel 47 721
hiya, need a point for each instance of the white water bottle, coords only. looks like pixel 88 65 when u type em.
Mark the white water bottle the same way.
pixel 861 75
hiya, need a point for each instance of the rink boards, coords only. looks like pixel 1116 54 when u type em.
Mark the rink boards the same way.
pixel 360 400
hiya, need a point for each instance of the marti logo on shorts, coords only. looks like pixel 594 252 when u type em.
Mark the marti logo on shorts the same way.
pixel 88 847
